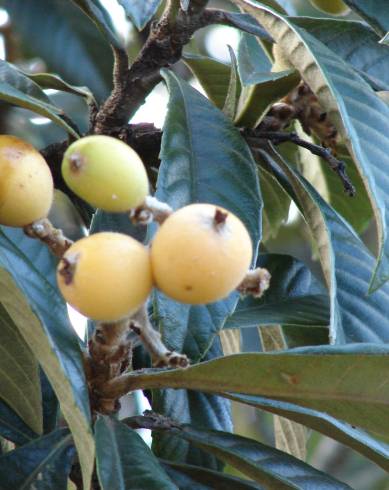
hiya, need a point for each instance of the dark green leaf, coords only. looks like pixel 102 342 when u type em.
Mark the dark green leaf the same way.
pixel 375 13
pixel 124 461
pixel 50 404
pixel 28 268
pixel 248 24
pixel 346 391
pixel 140 11
pixel 253 63
pixel 298 336
pixel 355 43
pixel 50 80
pixel 200 409
pixel 118 222
pixel 231 102
pixel 17 89
pixel 42 464
pixel 95 11
pixel 276 203
pixel 213 76
pixel 336 429
pixel 360 115
pixel 257 99
pixel 194 477
pixel 266 465
pixel 295 297
pixel 261 86
pixel 12 426
pixel 74 42
pixel 346 262
pixel 19 374
pixel 357 211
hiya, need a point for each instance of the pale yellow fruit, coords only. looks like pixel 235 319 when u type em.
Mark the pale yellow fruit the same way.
pixel 200 254
pixel 26 184
pixel 333 7
pixel 106 276
pixel 106 173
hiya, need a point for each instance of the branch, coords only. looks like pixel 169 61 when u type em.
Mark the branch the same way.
pixel 108 357
pixel 163 48
pixel 44 231
pixel 278 137
pixel 152 421
pixel 120 71
pixel 161 356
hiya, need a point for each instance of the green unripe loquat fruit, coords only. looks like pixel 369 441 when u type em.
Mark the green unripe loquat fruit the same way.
pixel 106 173
pixel 200 254
pixel 26 184
pixel 105 276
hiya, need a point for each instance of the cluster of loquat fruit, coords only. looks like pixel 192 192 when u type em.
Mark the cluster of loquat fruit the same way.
pixel 198 255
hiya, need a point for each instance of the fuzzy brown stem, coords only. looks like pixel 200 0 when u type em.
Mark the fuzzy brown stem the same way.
pixel 255 283
pixel 151 210
pixel 106 117
pixel 44 231
pixel 109 356
pixel 161 356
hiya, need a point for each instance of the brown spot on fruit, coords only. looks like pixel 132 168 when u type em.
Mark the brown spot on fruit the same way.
pixel 76 162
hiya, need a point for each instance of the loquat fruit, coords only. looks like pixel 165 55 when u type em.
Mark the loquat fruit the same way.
pixel 105 276
pixel 200 254
pixel 26 184
pixel 106 173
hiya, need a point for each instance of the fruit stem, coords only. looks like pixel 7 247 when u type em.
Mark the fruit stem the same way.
pixel 54 238
pixel 161 356
pixel 109 356
pixel 220 218
pixel 110 352
pixel 255 283
pixel 151 210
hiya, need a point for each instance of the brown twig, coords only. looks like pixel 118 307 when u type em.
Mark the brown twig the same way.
pixel 278 137
pixel 110 352
pixel 55 240
pixel 152 421
pixel 163 48
pixel 108 357
pixel 105 117
pixel 161 356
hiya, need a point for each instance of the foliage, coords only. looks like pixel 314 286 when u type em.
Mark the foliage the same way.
pixel 231 143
